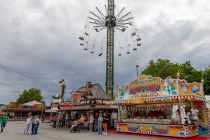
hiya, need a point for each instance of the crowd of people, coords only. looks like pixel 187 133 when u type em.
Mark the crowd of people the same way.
pixel 88 123
pixel 32 122
pixel 91 123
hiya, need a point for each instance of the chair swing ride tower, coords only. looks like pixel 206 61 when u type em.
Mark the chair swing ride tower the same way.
pixel 109 21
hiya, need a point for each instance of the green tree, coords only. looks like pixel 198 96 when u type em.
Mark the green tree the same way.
pixel 164 68
pixel 189 73
pixel 161 68
pixel 32 94
pixel 207 81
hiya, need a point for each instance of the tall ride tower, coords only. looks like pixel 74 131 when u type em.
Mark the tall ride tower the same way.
pixel 122 22
pixel 110 23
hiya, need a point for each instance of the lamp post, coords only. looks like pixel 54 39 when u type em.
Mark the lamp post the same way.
pixel 137 70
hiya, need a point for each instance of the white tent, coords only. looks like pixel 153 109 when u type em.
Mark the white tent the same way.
pixel 32 103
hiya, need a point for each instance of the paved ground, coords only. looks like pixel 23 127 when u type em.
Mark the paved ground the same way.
pixel 14 131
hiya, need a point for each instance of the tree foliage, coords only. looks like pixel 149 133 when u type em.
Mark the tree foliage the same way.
pixel 32 94
pixel 207 81
pixel 164 68
pixel 161 68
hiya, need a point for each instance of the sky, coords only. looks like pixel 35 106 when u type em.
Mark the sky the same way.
pixel 39 43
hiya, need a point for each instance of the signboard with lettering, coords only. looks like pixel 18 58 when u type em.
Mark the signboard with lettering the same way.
pixel 76 98
pixel 148 86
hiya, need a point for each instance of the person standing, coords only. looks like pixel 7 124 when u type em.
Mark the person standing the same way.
pixel 58 121
pixel 33 122
pixel 54 118
pixel 100 123
pixel 38 122
pixel 81 122
pixel 91 122
pixel 66 119
pixel 28 123
pixel 3 122
pixel 0 120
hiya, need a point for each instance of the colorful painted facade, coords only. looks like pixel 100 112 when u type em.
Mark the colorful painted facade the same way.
pixel 147 86
pixel 155 106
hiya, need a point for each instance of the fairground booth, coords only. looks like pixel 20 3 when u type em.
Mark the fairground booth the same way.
pixel 167 107
pixel 17 111
pixel 89 99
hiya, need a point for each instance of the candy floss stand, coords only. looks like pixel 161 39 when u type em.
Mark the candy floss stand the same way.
pixel 167 107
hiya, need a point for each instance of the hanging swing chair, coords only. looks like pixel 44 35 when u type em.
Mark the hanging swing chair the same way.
pixel 139 44
pixel 100 54
pixel 81 38
pixel 138 39
pixel 133 34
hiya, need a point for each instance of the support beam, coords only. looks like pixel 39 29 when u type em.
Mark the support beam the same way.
pixel 100 13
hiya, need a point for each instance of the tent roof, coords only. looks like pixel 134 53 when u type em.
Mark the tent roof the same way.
pixel 97 93
pixel 88 107
pixel 32 103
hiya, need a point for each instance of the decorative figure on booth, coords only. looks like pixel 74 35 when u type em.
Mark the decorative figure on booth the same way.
pixel 183 114
pixel 194 116
pixel 169 87
pixel 122 93
pixel 176 114
pixel 188 120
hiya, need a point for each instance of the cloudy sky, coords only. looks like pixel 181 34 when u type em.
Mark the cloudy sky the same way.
pixel 39 42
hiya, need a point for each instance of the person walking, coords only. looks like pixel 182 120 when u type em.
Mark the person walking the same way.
pixel 91 122
pixel 100 123
pixel 28 123
pixel 3 122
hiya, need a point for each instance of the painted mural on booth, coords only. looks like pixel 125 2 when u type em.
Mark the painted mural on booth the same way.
pixel 152 129
pixel 146 86
pixel 196 89
pixel 150 85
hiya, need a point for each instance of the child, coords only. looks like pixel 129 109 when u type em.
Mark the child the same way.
pixel 74 127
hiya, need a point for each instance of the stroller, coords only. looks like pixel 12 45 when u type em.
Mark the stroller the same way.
pixel 75 127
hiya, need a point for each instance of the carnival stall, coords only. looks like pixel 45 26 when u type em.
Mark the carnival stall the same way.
pixel 17 111
pixel 89 99
pixel 167 107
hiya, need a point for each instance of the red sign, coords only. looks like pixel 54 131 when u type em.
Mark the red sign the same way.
pixel 76 98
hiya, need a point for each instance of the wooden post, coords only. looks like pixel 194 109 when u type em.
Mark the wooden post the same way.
pixel 178 93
